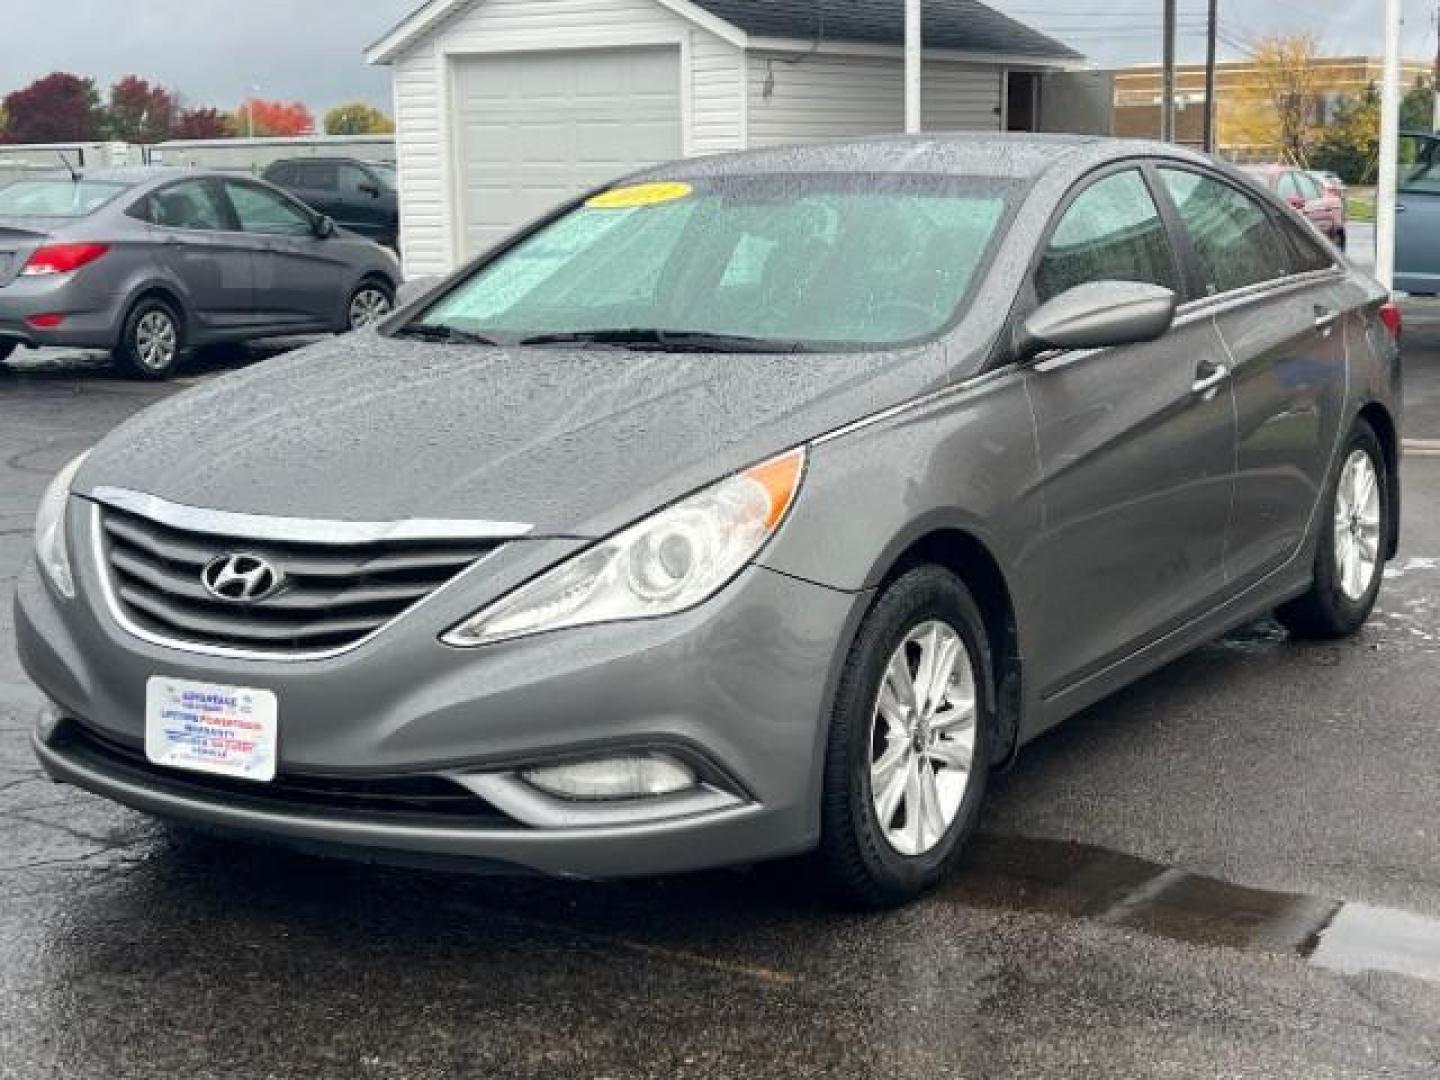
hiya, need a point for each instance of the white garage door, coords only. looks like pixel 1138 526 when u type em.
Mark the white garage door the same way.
pixel 538 128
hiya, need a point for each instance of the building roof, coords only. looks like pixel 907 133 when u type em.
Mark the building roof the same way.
pixel 946 24
pixel 959 25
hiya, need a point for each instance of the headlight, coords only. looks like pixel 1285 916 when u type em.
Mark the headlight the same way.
pixel 673 560
pixel 50 548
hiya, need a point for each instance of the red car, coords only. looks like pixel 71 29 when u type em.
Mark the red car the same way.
pixel 1322 204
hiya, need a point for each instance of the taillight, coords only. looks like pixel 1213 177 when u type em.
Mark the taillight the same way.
pixel 62 258
pixel 1391 320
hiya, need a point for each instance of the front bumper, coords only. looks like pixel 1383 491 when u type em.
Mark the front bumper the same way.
pixel 740 686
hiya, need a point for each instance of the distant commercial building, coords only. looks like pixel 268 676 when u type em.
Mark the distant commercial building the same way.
pixel 1138 89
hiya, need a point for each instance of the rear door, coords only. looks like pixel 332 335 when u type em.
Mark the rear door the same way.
pixel 1417 236
pixel 196 245
pixel 1137 448
pixel 366 205
pixel 300 279
pixel 1272 290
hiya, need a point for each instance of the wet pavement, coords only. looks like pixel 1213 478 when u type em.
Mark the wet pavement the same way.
pixel 1230 869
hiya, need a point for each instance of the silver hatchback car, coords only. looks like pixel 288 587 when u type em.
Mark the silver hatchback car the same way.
pixel 148 262
pixel 752 507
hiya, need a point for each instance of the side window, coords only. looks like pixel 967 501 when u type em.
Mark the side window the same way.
pixel 1419 164
pixel 1310 187
pixel 1111 232
pixel 190 204
pixel 281 174
pixel 356 182
pixel 1235 243
pixel 261 211
pixel 319 176
pixel 1288 188
pixel 1308 253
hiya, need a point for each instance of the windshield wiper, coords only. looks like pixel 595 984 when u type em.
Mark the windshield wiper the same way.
pixel 668 341
pixel 443 335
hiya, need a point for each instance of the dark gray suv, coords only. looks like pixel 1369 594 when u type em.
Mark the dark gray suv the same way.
pixel 758 505
pixel 147 263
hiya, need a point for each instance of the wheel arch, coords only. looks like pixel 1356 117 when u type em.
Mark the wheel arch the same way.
pixel 1383 424
pixel 157 291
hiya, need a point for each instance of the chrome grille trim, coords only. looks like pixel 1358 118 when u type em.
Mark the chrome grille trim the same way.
pixel 263 527
pixel 120 595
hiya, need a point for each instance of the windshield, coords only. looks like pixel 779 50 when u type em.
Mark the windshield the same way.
pixel 56 198
pixel 792 262
pixel 385 172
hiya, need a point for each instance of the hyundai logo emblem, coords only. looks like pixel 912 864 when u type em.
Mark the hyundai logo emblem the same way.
pixel 240 578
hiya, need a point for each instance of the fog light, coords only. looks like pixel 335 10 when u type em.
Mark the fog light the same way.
pixel 633 776
pixel 47 722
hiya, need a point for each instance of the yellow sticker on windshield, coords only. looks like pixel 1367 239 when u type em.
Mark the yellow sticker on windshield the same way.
pixel 627 198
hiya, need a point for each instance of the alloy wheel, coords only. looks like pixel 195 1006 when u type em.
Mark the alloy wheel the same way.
pixel 1357 525
pixel 922 738
pixel 367 306
pixel 156 341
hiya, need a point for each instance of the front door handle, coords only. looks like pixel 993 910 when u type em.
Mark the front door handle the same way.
pixel 1210 376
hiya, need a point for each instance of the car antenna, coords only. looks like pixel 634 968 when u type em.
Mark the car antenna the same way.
pixel 74 176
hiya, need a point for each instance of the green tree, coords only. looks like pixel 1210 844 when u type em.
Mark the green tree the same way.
pixel 357 118
pixel 1350 147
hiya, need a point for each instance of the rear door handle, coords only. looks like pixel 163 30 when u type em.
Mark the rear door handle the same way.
pixel 1325 319
pixel 1211 376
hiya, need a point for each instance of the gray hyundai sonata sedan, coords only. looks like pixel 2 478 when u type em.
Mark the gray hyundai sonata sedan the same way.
pixel 750 507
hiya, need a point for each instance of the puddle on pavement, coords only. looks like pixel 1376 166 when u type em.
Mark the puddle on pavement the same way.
pixel 1084 882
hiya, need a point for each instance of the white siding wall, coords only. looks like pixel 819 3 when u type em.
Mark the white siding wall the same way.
pixel 837 97
pixel 424 116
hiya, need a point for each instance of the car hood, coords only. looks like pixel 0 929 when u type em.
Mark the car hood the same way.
pixel 571 442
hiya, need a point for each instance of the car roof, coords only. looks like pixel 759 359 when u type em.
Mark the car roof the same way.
pixel 1008 156
pixel 137 175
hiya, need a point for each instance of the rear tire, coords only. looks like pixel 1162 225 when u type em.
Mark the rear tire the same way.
pixel 928 764
pixel 152 341
pixel 1355 534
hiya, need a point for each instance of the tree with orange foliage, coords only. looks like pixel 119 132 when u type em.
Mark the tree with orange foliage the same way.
pixel 258 116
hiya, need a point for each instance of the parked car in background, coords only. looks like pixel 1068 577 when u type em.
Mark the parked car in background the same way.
pixel 1417 236
pixel 757 505
pixel 359 195
pixel 1330 182
pixel 1323 206
pixel 150 262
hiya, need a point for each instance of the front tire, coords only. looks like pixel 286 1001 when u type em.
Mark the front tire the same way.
pixel 908 753
pixel 151 341
pixel 1355 535
pixel 6 348
pixel 369 303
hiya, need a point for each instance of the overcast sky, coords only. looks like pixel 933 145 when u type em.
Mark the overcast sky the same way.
pixel 215 51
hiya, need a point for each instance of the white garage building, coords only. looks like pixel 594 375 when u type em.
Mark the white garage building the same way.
pixel 505 108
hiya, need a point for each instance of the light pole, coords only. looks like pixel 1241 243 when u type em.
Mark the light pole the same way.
pixel 1389 149
pixel 914 66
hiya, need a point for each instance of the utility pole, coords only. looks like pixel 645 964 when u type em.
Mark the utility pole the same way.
pixel 1167 91
pixel 1211 33
pixel 1435 74
pixel 1389 150
pixel 914 58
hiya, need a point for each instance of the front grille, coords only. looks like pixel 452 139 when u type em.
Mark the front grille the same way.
pixel 417 799
pixel 331 595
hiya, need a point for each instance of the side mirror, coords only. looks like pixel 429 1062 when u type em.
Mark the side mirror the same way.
pixel 414 289
pixel 324 227
pixel 369 188
pixel 1098 315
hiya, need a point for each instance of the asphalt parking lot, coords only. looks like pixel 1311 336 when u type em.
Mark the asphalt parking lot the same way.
pixel 1231 869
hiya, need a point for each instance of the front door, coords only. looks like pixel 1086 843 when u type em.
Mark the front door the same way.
pixel 1417 232
pixel 1136 446
pixel 300 278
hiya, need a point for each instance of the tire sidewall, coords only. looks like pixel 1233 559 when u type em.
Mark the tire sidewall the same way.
pixel 916 597
pixel 129 352
pixel 1351 614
